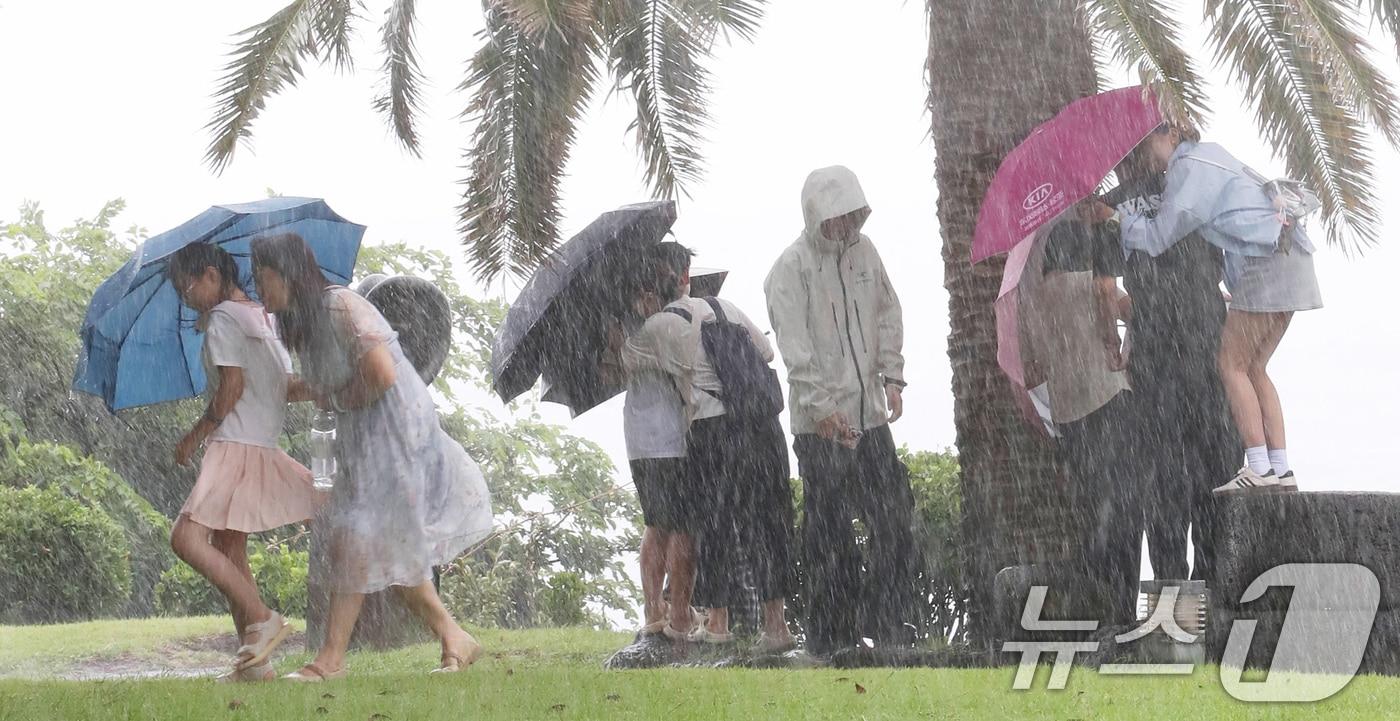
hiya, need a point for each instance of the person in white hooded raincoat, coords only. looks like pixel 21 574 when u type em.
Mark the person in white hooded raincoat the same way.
pixel 840 333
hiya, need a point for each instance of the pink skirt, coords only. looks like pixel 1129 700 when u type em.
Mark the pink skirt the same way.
pixel 250 488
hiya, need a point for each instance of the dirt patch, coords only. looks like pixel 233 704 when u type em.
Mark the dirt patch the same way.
pixel 195 657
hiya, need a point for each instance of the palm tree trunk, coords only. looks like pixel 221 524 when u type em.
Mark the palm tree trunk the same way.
pixel 996 69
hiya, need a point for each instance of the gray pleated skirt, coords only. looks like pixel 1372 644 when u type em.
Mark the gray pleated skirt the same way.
pixel 1279 283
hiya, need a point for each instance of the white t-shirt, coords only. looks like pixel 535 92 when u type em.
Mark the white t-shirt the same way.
pixel 653 417
pixel 242 335
pixel 1057 323
pixel 667 366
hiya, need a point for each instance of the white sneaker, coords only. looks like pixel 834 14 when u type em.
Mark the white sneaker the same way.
pixel 1247 481
pixel 1288 483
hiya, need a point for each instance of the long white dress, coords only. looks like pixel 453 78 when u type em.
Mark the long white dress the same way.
pixel 407 497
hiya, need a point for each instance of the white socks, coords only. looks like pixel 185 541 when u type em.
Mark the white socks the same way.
pixel 1258 459
pixel 1262 458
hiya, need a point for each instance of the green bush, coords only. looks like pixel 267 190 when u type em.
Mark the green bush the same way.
pixel 933 477
pixel 562 600
pixel 59 560
pixel 280 574
pixel 281 577
pixel 94 485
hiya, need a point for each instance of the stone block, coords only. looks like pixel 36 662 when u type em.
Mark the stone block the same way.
pixel 1325 650
pixel 1258 532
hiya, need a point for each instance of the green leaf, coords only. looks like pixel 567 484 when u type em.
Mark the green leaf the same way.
pixel 1303 117
pixel 1145 34
pixel 400 100
pixel 528 94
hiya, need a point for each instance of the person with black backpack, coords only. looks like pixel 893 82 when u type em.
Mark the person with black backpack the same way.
pixel 841 334
pixel 735 448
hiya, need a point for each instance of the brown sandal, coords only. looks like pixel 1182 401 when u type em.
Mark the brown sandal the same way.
pixel 452 663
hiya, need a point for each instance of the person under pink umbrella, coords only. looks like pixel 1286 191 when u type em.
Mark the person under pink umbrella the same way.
pixel 1188 440
pixel 1069 341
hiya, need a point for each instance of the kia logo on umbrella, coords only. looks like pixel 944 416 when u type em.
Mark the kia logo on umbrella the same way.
pixel 1038 196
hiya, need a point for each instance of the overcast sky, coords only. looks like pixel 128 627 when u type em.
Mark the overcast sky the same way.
pixel 105 100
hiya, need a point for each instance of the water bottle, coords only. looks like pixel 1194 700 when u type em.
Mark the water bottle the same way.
pixel 323 450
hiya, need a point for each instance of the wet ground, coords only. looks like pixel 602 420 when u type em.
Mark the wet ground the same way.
pixel 197 657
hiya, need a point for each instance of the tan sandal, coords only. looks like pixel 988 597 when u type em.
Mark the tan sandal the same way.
pixel 311 673
pixel 252 674
pixel 271 634
pixel 676 635
pixel 452 663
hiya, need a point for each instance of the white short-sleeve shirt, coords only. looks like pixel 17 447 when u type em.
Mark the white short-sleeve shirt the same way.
pixel 242 335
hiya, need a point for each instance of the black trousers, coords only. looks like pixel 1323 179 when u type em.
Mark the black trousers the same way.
pixel 851 594
pixel 744 510
pixel 1187 446
pixel 1096 450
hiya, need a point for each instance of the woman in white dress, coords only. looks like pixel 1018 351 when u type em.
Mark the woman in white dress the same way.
pixel 407 496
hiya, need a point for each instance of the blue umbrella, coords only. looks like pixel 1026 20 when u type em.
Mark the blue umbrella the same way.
pixel 139 342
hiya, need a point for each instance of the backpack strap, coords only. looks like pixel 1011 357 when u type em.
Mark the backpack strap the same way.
pixel 717 308
pixel 683 313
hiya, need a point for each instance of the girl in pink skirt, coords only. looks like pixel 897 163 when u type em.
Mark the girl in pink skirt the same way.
pixel 246 483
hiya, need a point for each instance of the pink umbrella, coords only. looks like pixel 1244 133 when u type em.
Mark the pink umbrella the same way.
pixel 1061 163
pixel 1008 312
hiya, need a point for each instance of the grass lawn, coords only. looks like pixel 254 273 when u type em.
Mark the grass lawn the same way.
pixel 557 674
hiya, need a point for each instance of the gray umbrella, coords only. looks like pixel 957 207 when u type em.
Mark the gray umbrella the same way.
pixel 419 312
pixel 557 327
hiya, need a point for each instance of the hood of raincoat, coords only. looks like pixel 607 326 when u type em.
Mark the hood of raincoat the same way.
pixel 836 317
pixel 829 193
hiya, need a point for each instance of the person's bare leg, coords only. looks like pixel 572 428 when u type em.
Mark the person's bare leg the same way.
pixel 191 542
pixel 775 620
pixel 652 558
pixel 1270 407
pixel 234 546
pixel 1238 348
pixel 340 624
pixel 680 561
pixel 423 599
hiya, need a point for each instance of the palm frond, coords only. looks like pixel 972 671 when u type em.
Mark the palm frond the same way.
pixel 1144 33
pixel 331 29
pixel 399 98
pixel 1387 13
pixel 266 60
pixel 740 17
pixel 657 56
pixel 1321 139
pixel 527 97
pixel 538 16
pixel 1330 28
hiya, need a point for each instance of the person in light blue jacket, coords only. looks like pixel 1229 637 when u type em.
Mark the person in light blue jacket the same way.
pixel 1268 271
